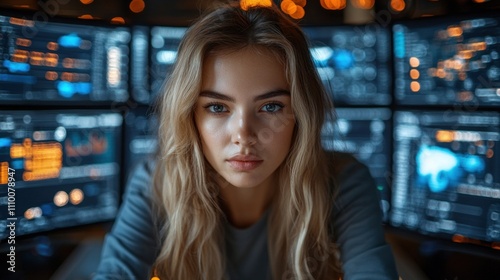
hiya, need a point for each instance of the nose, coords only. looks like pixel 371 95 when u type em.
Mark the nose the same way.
pixel 243 129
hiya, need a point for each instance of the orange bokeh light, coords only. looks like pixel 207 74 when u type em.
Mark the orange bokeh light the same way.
pixel 288 6
pixel 415 86
pixel 363 4
pixel 61 198
pixel 398 5
pixel 245 4
pixel 299 13
pixel 333 4
pixel 414 74
pixel 86 16
pixel 137 6
pixel 301 3
pixel 414 62
pixel 118 20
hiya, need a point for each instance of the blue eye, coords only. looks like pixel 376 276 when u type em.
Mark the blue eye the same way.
pixel 272 107
pixel 215 108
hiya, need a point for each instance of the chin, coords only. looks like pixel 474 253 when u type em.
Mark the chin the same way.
pixel 244 183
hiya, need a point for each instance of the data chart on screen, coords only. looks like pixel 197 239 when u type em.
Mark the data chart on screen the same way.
pixel 65 165
pixel 62 62
pixel 353 62
pixel 154 51
pixel 447 61
pixel 447 174
pixel 364 133
pixel 141 128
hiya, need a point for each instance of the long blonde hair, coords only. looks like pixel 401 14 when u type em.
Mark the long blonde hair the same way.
pixel 186 197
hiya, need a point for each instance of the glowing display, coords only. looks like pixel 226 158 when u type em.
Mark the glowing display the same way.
pixel 364 133
pixel 62 62
pixel 447 174
pixel 457 61
pixel 66 165
pixel 353 63
pixel 140 136
pixel 154 51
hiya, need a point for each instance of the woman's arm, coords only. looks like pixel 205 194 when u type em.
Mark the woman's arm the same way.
pixel 131 247
pixel 357 222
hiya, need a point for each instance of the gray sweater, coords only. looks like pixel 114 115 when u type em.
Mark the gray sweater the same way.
pixel 132 245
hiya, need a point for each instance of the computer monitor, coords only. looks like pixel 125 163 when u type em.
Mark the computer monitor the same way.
pixel 447 175
pixel 141 127
pixel 365 133
pixel 154 51
pixel 353 62
pixel 58 169
pixel 447 61
pixel 62 63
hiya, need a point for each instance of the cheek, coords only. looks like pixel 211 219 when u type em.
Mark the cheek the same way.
pixel 211 131
pixel 288 134
pixel 284 127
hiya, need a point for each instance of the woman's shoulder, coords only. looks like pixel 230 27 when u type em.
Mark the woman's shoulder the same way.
pixel 347 175
pixel 141 175
pixel 340 162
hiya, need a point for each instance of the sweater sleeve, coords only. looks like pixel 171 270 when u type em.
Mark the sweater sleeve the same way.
pixel 130 248
pixel 357 226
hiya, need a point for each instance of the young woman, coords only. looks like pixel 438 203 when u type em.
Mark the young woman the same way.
pixel 241 187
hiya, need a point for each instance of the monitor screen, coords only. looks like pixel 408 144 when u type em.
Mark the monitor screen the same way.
pixel 447 61
pixel 154 51
pixel 365 133
pixel 447 174
pixel 58 169
pixel 141 126
pixel 63 63
pixel 353 62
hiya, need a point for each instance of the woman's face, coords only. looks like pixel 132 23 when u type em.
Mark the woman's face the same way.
pixel 244 116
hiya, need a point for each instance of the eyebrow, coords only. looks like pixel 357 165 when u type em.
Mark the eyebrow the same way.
pixel 216 95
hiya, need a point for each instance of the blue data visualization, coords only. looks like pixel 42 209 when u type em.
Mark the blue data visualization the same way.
pixel 353 62
pixel 62 63
pixel 447 173
pixel 447 61
pixel 66 167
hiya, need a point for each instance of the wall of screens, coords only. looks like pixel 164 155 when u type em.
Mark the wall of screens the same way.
pixel 61 126
pixel 446 180
pixel 416 102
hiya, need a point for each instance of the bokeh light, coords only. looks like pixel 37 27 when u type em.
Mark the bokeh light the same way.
pixel 245 4
pixel 137 6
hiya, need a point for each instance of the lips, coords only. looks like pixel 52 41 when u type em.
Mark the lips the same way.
pixel 244 162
